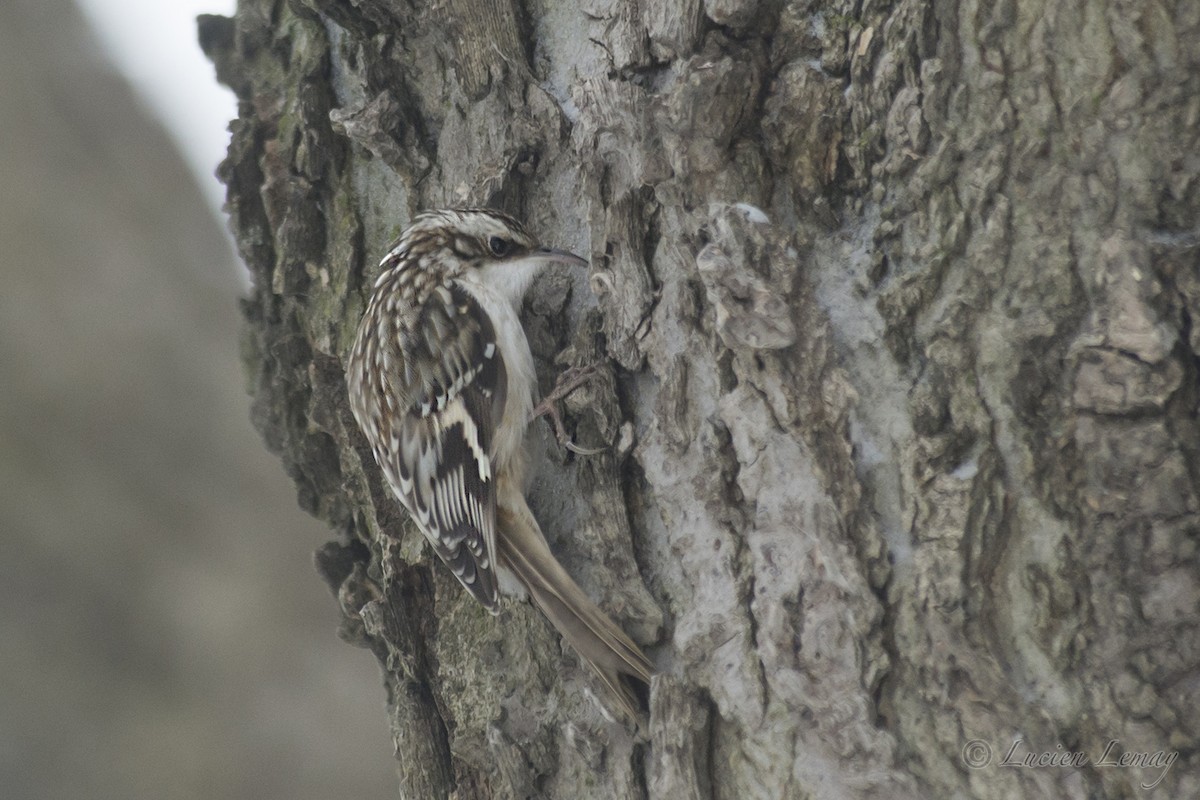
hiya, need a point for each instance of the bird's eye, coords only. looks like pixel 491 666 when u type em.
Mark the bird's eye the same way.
pixel 499 246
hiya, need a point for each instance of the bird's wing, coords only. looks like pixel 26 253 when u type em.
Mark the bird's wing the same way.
pixel 440 456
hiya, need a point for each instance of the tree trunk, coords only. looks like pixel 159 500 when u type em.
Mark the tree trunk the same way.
pixel 898 302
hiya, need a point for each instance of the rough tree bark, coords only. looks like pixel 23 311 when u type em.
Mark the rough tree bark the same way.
pixel 898 304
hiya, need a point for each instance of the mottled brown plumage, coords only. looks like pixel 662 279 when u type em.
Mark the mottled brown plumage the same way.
pixel 441 382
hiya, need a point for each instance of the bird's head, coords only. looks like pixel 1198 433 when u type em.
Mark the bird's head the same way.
pixel 482 246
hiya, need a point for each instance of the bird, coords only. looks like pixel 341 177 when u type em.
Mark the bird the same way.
pixel 441 382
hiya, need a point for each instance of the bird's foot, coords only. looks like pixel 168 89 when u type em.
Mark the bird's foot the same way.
pixel 567 382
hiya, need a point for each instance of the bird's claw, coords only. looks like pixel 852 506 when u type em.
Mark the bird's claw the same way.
pixel 567 382
pixel 583 451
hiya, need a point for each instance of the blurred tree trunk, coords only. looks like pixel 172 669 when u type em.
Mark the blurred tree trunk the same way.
pixel 899 304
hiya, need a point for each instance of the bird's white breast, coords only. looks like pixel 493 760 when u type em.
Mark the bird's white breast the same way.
pixel 509 438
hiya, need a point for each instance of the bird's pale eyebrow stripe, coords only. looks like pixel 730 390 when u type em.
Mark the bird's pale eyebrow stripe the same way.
pixel 464 247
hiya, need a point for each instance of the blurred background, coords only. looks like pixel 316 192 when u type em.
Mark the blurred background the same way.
pixel 162 630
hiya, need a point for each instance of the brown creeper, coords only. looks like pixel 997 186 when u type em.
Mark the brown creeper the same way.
pixel 441 382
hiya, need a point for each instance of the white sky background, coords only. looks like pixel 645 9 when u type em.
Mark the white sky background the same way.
pixel 154 43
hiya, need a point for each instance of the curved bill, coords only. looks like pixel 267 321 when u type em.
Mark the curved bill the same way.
pixel 549 255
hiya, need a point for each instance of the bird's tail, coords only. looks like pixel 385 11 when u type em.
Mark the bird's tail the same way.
pixel 616 659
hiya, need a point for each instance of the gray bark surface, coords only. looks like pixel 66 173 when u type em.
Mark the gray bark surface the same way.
pixel 898 308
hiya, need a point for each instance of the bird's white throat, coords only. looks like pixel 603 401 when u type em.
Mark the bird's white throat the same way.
pixel 509 279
